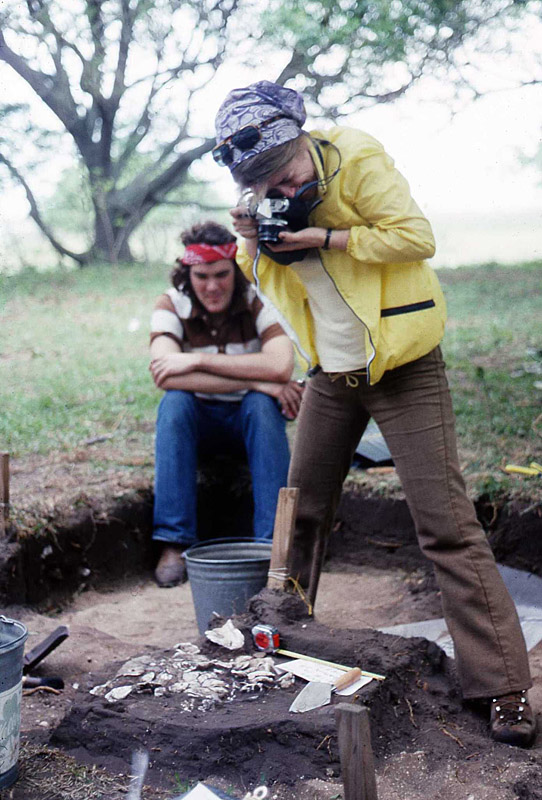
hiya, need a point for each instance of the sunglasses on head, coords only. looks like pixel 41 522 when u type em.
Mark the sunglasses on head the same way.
pixel 243 139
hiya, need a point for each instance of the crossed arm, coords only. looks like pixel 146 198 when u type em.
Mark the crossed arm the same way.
pixel 268 371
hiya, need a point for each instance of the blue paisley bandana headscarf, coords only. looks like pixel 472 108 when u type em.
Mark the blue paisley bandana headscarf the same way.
pixel 255 104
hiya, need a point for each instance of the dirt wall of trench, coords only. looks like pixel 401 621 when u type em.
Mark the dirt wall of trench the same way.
pixel 92 546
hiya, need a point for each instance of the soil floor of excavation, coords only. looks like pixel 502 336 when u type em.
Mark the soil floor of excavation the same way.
pixel 426 743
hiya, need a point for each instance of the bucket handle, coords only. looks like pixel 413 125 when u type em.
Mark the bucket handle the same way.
pixel 7 620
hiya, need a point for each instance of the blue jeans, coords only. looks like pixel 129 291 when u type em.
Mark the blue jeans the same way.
pixel 187 428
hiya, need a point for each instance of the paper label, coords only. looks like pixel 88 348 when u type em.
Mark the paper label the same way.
pixel 10 726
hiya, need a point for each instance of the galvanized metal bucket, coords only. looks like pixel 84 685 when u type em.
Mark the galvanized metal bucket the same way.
pixel 224 574
pixel 13 635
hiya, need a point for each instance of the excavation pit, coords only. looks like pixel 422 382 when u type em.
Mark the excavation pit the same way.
pixel 425 741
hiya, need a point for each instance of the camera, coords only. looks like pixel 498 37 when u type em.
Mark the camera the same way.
pixel 276 213
pixel 272 216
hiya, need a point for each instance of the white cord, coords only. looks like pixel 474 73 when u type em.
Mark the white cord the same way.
pixel 280 573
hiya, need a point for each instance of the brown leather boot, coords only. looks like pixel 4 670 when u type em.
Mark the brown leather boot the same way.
pixel 512 720
pixel 171 568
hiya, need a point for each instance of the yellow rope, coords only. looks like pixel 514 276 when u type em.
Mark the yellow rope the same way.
pixel 300 591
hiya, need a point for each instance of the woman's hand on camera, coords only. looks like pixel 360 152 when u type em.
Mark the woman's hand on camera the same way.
pixel 301 240
pixel 311 237
pixel 243 223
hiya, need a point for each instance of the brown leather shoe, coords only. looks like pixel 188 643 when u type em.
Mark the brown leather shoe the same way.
pixel 171 568
pixel 512 720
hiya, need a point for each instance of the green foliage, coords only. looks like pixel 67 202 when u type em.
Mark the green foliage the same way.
pixel 354 42
pixel 118 80
pixel 380 31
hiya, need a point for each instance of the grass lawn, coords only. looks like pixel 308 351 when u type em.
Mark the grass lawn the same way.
pixel 74 358
pixel 74 355
pixel 493 348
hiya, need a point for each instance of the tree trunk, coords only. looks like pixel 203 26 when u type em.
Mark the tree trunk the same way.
pixel 110 237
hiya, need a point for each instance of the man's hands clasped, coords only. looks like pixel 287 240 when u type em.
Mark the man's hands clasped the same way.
pixel 171 365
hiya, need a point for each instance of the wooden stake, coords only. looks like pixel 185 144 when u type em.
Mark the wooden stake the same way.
pixel 356 752
pixel 282 538
pixel 4 492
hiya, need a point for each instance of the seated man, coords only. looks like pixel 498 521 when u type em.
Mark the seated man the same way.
pixel 226 365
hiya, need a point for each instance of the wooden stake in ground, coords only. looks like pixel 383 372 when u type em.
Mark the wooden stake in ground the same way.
pixel 4 492
pixel 356 752
pixel 282 538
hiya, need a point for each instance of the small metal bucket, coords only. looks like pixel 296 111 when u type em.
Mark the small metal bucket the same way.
pixel 224 574
pixel 13 635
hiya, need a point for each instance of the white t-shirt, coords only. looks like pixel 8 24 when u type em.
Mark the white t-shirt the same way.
pixel 339 334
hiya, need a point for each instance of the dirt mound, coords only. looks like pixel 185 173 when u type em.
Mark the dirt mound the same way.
pixel 416 708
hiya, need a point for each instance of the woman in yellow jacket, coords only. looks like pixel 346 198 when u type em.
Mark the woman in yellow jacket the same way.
pixel 366 314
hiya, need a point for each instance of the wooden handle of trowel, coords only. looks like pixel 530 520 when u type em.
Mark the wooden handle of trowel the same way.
pixel 347 679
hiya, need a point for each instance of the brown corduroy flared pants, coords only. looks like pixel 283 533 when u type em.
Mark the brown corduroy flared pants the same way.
pixel 413 409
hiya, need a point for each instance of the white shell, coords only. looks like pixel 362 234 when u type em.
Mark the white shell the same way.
pixel 206 682
pixel 118 694
pixel 180 686
pixel 163 678
pixel 135 666
pixel 100 690
pixel 191 676
pixel 186 648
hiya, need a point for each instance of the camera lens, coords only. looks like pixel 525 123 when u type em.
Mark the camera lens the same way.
pixel 268 230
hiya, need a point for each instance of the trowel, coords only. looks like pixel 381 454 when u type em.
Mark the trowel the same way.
pixel 316 694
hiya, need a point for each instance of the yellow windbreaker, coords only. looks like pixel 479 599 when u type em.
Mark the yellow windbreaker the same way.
pixel 382 275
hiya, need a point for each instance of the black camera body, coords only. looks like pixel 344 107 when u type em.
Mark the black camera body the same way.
pixel 276 213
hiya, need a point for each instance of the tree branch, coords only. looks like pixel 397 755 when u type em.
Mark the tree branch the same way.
pixel 36 215
pixel 93 10
pixel 143 126
pixel 295 65
pixel 169 179
pixel 188 203
pixel 54 93
pixel 122 60
pixel 145 191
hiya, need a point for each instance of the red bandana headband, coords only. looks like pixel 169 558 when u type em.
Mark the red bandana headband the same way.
pixel 207 253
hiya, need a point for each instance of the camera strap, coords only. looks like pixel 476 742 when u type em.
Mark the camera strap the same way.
pixel 326 180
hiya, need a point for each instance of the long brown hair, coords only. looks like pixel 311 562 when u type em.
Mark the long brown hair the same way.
pixel 205 233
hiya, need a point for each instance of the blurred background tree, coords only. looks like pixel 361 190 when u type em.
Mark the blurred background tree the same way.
pixel 120 81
